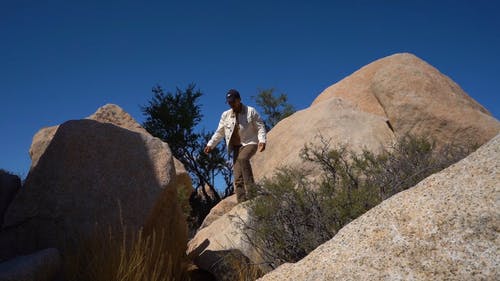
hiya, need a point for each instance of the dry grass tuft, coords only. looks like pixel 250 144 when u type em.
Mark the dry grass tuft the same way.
pixel 118 255
pixel 156 252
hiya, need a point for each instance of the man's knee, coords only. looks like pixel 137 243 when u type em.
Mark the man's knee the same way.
pixel 239 181
pixel 243 163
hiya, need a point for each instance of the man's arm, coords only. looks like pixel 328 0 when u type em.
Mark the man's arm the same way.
pixel 261 131
pixel 217 136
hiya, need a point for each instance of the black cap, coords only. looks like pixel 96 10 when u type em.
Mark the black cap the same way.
pixel 232 95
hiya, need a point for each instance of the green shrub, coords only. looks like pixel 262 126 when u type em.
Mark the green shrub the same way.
pixel 293 214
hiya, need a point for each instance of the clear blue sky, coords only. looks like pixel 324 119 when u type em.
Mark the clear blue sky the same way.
pixel 61 60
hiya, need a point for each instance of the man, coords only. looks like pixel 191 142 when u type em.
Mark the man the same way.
pixel 244 133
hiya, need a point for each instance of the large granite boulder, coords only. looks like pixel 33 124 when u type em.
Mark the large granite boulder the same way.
pixel 444 228
pixel 9 185
pixel 40 142
pixel 89 173
pixel 416 98
pixel 113 114
pixel 336 120
pixel 223 240
pixel 109 113
pixel 224 206
pixel 389 98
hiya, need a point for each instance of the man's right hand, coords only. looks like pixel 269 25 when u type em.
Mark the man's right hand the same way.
pixel 207 149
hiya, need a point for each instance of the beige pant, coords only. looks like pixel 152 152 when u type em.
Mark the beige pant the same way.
pixel 242 170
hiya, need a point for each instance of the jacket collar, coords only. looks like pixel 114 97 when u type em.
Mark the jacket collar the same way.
pixel 244 110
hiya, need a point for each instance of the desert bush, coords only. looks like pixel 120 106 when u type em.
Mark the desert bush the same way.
pixel 294 214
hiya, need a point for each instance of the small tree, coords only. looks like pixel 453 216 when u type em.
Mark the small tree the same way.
pixel 274 108
pixel 173 117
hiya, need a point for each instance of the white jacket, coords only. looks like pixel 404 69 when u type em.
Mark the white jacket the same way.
pixel 252 129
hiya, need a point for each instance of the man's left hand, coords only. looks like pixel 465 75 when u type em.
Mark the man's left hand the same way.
pixel 262 146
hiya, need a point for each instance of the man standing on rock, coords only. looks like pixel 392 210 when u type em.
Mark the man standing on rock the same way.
pixel 244 133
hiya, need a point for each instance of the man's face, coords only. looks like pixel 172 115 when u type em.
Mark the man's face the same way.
pixel 235 104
